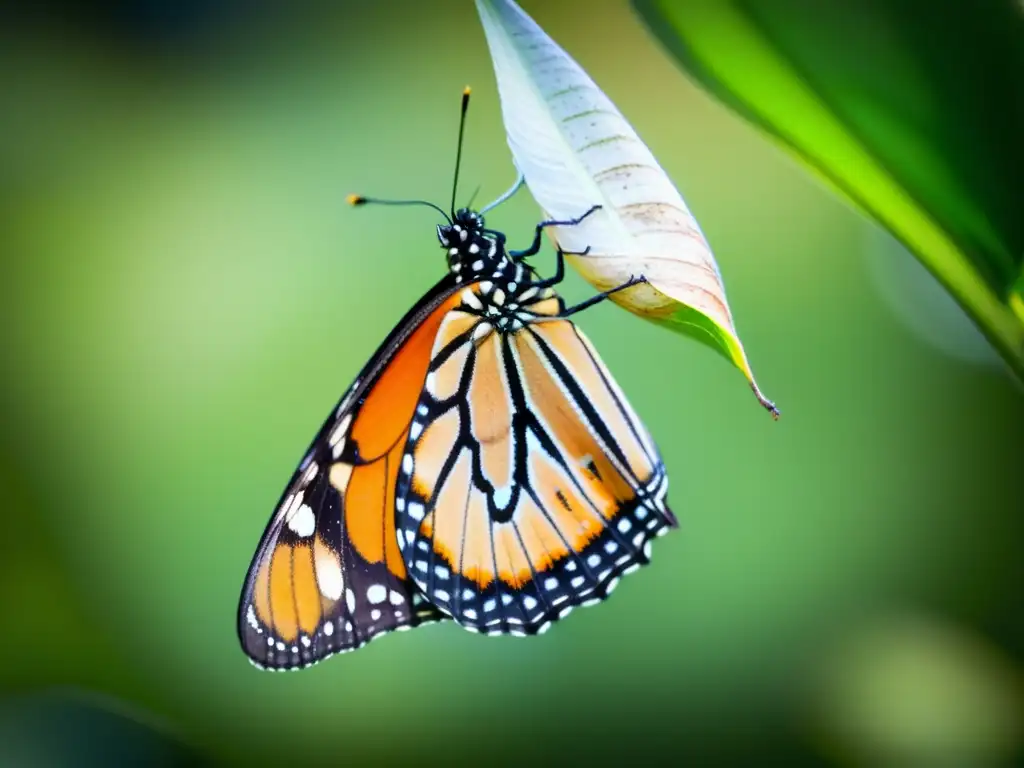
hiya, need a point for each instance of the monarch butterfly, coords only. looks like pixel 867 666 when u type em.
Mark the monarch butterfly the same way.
pixel 483 467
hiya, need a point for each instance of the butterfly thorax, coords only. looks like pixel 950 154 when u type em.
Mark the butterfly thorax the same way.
pixel 505 293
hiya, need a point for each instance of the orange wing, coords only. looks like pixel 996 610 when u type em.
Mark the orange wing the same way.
pixel 328 576
pixel 529 485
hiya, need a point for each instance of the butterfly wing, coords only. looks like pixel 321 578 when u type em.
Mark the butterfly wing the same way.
pixel 327 576
pixel 529 485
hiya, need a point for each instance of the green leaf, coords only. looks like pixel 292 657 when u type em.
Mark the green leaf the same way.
pixel 910 109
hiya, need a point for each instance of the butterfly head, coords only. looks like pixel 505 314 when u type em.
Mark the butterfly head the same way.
pixel 470 247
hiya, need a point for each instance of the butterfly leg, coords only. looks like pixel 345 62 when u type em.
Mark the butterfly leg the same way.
pixel 601 296
pixel 559 275
pixel 535 245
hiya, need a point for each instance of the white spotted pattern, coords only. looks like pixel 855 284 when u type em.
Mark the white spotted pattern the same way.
pixel 302 521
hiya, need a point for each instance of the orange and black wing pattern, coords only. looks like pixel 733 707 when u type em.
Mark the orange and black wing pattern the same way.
pixel 328 575
pixel 528 485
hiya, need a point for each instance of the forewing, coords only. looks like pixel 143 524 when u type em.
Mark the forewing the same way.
pixel 328 576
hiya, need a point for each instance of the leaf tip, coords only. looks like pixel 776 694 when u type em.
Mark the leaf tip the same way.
pixel 767 404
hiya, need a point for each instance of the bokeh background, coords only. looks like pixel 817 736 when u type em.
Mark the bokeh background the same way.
pixel 186 295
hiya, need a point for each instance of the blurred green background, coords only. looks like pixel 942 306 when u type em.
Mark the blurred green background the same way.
pixel 186 295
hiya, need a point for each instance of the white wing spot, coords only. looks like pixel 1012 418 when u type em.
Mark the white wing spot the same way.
pixel 328 573
pixel 594 560
pixel 303 521
pixel 490 605
pixel 502 496
pixel 441 572
pixel 577 582
pixel 337 438
pixel 551 583
pixel 407 463
pixel 329 628
pixel 529 602
pixel 570 566
pixel 416 510
pixel 610 547
pixel 306 642
pixel 440 594
pixel 376 593
pixel 375 614
pixel 528 294
pixel 469 613
pixel 350 600
pixel 481 331
pixel 286 505
pixel 310 473
pixel 624 525
pixel 396 598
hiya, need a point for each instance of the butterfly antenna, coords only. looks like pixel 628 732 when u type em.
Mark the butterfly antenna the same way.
pixel 360 200
pixel 458 151
pixel 473 196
